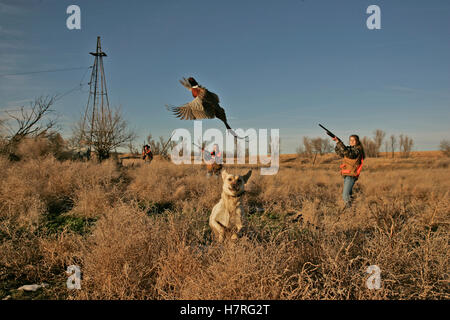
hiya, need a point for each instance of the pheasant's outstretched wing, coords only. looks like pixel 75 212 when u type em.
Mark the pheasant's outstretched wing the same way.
pixel 196 109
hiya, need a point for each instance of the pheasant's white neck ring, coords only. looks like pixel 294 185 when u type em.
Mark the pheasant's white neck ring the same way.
pixel 196 86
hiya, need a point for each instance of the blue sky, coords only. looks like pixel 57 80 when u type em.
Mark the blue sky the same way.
pixel 274 64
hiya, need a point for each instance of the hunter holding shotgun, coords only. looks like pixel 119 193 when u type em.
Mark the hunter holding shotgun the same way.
pixel 353 158
pixel 213 160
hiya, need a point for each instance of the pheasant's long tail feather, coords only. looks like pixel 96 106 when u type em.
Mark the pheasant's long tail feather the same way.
pixel 232 131
pixel 227 125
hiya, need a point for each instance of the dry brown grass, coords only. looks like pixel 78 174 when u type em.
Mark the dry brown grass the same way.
pixel 141 231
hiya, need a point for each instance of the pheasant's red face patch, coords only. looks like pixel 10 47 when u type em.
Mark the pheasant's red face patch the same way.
pixel 195 92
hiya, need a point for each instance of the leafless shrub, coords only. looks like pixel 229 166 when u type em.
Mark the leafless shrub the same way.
pixel 378 139
pixel 307 146
pixel 314 146
pixel 393 144
pixel 132 148
pixel 45 144
pixel 445 147
pixel 27 122
pixel 405 144
pixel 149 236
pixel 321 145
pixel 161 147
pixel 370 147
pixel 300 150
pixel 386 148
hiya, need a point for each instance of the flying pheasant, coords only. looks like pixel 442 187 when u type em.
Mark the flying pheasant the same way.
pixel 204 106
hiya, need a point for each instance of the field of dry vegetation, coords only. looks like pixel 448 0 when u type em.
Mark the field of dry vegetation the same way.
pixel 141 231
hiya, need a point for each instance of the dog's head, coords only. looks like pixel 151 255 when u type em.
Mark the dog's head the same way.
pixel 233 185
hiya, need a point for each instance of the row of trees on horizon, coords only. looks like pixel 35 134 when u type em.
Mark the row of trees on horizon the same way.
pixel 373 146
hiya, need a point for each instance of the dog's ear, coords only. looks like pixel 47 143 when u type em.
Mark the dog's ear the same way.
pixel 247 176
pixel 224 174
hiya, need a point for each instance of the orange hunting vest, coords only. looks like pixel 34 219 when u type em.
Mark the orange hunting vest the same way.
pixel 351 167
pixel 214 155
pixel 213 167
pixel 146 151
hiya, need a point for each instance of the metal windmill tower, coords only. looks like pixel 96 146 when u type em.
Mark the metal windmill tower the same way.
pixel 97 109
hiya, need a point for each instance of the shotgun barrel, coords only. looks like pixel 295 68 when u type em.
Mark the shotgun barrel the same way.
pixel 331 134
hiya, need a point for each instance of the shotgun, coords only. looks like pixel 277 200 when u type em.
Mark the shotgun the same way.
pixel 331 134
pixel 167 143
pixel 197 146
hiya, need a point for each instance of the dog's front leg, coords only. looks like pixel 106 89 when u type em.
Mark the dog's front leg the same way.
pixel 218 221
pixel 237 222
pixel 218 229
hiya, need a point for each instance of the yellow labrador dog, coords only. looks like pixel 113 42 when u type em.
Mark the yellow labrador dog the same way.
pixel 226 216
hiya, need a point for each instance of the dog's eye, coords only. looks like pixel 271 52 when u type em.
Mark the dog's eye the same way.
pixel 229 179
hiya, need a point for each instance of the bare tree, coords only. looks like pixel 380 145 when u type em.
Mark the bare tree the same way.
pixel 300 150
pixel 3 140
pixel 386 148
pixel 314 147
pixel 307 146
pixel 132 148
pixel 370 147
pixel 378 139
pixel 406 143
pixel 110 131
pixel 321 146
pixel 393 141
pixel 28 122
pixel 445 147
pixel 162 146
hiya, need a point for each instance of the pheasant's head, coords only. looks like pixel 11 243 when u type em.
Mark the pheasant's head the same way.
pixel 192 82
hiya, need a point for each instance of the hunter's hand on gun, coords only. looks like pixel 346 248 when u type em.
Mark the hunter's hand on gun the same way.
pixel 335 139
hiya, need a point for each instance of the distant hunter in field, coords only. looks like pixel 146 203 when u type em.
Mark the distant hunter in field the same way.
pixel 353 157
pixel 147 154
pixel 214 161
